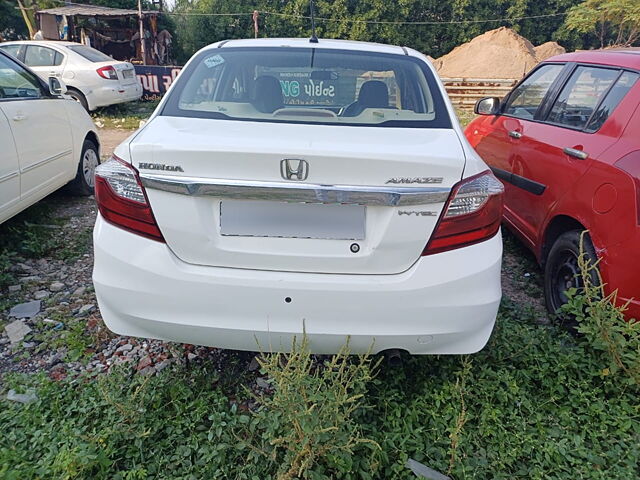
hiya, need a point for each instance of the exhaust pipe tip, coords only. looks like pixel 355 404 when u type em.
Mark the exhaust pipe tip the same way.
pixel 394 357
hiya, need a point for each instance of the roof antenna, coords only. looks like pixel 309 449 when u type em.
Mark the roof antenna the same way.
pixel 314 38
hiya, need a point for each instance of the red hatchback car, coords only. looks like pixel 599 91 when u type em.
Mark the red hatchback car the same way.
pixel 566 144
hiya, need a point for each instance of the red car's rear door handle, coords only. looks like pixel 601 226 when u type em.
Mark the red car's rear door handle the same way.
pixel 574 152
pixel 515 134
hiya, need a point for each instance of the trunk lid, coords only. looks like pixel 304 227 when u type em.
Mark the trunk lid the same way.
pixel 262 231
pixel 126 73
pixel 124 70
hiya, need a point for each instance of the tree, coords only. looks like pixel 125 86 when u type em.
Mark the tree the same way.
pixel 614 22
pixel 12 26
pixel 449 23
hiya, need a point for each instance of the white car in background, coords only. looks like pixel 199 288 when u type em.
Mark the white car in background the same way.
pixel 46 141
pixel 282 187
pixel 92 78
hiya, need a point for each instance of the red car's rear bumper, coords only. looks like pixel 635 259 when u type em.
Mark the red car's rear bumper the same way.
pixel 620 268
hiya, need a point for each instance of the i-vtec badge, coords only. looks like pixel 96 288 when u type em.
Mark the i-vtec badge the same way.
pixel 398 180
pixel 160 166
pixel 417 213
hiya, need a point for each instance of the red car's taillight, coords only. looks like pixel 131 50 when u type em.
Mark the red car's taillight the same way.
pixel 472 214
pixel 107 72
pixel 122 200
pixel 631 164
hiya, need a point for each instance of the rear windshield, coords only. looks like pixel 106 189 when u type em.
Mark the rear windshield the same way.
pixel 89 53
pixel 309 85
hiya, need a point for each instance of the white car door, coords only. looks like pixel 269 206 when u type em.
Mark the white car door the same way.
pixel 9 169
pixel 40 129
pixel 44 61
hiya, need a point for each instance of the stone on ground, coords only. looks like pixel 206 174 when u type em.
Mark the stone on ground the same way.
pixel 16 331
pixel 25 310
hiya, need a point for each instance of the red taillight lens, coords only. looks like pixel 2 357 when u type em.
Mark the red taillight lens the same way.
pixel 472 214
pixel 122 200
pixel 631 164
pixel 107 72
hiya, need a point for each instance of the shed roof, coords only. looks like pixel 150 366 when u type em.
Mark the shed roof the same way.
pixel 93 11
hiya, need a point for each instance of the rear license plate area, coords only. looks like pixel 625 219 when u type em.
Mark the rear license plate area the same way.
pixel 249 218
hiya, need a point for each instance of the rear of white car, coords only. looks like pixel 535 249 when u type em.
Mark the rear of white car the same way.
pixel 104 81
pixel 92 78
pixel 284 187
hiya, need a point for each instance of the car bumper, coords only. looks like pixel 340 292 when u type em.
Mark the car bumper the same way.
pixel 110 95
pixel 619 266
pixel 444 304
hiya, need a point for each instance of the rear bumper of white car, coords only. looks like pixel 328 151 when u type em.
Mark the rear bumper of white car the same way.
pixel 444 304
pixel 109 95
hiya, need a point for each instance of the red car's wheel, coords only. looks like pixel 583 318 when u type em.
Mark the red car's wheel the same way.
pixel 562 271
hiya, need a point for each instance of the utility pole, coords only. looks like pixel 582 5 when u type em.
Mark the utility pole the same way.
pixel 141 24
pixel 26 18
pixel 255 17
pixel 314 38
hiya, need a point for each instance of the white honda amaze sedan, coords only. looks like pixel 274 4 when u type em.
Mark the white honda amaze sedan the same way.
pixel 284 186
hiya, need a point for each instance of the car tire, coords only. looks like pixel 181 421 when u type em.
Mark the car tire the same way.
pixel 84 182
pixel 78 97
pixel 562 272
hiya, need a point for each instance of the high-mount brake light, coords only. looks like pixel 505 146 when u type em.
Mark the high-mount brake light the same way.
pixel 472 214
pixel 122 200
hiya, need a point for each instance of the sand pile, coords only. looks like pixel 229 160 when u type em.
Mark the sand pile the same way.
pixel 499 53
pixel 547 50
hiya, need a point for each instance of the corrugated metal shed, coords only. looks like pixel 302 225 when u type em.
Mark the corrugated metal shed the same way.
pixel 92 11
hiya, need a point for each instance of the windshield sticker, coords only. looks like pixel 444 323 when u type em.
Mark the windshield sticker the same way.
pixel 213 61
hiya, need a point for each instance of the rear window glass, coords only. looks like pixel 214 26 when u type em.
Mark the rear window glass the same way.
pixel 306 85
pixel 581 94
pixel 89 53
pixel 611 101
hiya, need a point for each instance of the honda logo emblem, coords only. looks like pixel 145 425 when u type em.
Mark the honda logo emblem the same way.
pixel 294 169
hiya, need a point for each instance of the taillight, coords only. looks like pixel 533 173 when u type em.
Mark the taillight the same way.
pixel 122 200
pixel 472 214
pixel 107 72
pixel 631 164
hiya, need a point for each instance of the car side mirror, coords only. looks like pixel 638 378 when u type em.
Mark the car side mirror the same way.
pixel 487 106
pixel 57 86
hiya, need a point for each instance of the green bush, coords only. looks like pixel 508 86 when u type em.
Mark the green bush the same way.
pixel 307 428
pixel 601 321
pixel 533 404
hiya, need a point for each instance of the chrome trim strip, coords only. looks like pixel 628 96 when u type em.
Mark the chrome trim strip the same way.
pixel 297 192
pixel 9 176
pixel 46 160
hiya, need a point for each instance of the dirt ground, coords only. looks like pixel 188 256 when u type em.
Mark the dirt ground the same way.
pixel 110 138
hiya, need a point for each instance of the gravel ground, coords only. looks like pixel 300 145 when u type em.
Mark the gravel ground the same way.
pixel 67 336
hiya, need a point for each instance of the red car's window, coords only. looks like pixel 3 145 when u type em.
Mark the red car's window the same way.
pixel 611 101
pixel 527 97
pixel 581 95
